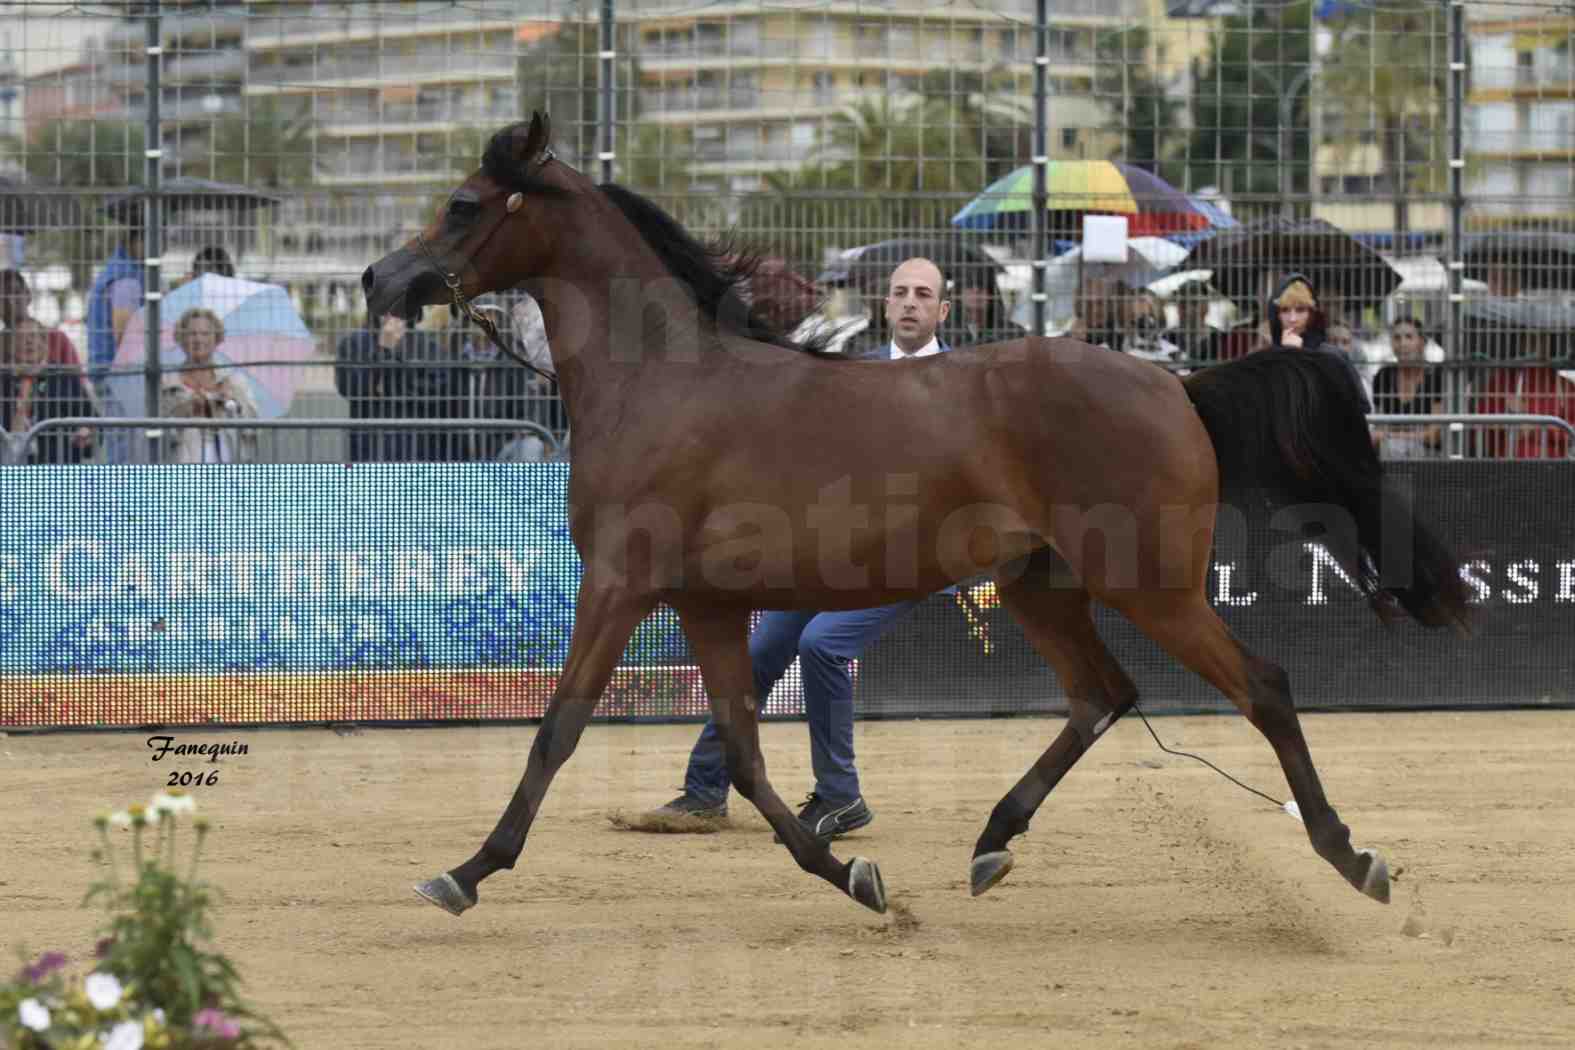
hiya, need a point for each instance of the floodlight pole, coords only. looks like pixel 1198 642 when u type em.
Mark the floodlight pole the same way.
pixel 607 98
pixel 152 217
pixel 1287 115
pixel 1041 161
pixel 1455 11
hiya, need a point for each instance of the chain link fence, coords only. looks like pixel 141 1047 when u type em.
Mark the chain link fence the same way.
pixel 191 190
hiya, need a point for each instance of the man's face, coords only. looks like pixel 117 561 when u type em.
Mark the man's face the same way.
pixel 32 344
pixel 914 307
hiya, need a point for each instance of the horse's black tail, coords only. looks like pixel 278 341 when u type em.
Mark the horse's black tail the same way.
pixel 1289 424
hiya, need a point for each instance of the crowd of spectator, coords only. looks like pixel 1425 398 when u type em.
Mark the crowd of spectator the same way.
pixel 389 370
pixel 1518 372
pixel 385 371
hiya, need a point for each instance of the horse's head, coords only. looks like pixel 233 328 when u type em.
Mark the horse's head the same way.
pixel 485 239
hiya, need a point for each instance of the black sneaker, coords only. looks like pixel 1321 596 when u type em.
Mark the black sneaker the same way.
pixel 826 821
pixel 687 805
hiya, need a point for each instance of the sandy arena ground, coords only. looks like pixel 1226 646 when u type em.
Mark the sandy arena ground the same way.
pixel 1153 904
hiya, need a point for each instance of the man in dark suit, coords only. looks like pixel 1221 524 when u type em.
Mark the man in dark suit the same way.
pixel 914 309
pixel 388 371
pixel 825 644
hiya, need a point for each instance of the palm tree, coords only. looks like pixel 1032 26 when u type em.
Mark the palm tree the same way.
pixel 992 107
pixel 1240 92
pixel 84 154
pixel 269 148
pixel 896 164
pixel 1388 73
pixel 1139 106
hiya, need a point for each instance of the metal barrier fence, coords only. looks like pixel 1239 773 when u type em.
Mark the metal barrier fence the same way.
pixel 1473 436
pixel 164 440
pixel 1499 436
pixel 1412 156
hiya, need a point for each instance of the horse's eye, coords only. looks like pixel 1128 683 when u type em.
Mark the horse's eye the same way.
pixel 463 211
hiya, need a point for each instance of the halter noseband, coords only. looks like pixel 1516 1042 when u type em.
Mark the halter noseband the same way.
pixel 463 304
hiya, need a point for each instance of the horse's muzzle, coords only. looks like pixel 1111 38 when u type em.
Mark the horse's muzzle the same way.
pixel 401 283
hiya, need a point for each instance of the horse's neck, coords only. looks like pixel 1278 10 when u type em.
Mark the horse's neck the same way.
pixel 597 312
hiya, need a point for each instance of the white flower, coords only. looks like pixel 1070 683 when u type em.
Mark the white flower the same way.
pixel 158 1014
pixel 103 990
pixel 120 818
pixel 127 1035
pixel 172 802
pixel 33 1014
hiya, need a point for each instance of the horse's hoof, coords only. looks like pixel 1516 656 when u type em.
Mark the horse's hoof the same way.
pixel 987 869
pixel 445 893
pixel 1376 882
pixel 865 885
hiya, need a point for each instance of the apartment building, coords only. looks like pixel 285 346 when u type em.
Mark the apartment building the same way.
pixel 752 84
pixel 1520 118
pixel 756 85
pixel 387 96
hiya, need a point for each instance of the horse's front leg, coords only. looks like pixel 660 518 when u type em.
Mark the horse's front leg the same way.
pixel 605 617
pixel 719 638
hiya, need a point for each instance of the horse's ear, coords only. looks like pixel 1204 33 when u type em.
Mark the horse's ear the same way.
pixel 535 139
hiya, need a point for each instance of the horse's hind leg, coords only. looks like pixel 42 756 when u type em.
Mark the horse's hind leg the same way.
pixel 719 639
pixel 1184 624
pixel 1057 623
pixel 604 619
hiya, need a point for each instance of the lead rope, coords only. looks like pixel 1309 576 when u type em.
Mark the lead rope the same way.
pixel 1289 807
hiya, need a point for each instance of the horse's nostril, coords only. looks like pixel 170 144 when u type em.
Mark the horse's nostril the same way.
pixel 368 279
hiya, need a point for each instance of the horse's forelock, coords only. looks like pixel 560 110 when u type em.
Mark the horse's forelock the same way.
pixel 508 158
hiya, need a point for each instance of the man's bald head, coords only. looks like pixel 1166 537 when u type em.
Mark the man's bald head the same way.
pixel 916 303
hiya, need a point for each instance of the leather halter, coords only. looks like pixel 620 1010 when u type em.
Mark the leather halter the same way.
pixel 463 304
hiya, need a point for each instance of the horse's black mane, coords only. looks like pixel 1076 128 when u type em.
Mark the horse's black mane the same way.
pixel 714 273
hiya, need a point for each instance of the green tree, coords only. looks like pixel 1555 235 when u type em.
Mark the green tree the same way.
pixel 268 148
pixel 654 157
pixel 87 153
pixel 1140 108
pixel 897 164
pixel 991 108
pixel 1387 76
pixel 560 74
pixel 83 154
pixel 1257 62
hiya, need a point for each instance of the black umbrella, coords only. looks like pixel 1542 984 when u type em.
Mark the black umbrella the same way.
pixel 1503 329
pixel 1339 264
pixel 27 207
pixel 187 194
pixel 1530 259
pixel 964 264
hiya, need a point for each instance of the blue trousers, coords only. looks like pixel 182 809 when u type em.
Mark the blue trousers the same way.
pixel 825 644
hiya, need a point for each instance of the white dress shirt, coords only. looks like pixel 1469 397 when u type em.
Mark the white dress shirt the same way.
pixel 927 350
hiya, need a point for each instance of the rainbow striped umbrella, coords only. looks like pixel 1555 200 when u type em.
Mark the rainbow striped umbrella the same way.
pixel 1154 208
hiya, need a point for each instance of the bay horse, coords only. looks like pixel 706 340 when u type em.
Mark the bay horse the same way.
pixel 720 468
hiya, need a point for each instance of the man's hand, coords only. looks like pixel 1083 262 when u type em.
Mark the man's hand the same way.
pixel 82 438
pixel 1292 340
